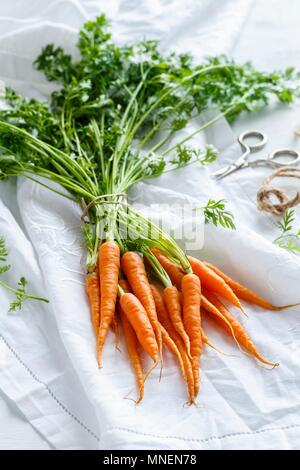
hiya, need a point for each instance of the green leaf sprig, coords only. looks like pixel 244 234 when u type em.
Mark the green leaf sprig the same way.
pixel 19 292
pixel 215 212
pixel 186 155
pixel 288 239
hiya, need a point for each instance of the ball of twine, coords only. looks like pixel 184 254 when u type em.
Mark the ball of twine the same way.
pixel 285 202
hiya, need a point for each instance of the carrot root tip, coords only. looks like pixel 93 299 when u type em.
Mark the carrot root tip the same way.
pixel 219 351
pixel 192 402
pixel 197 405
pixel 160 372
pixel 138 401
pixel 244 312
pixel 130 399
pixel 150 370
pixel 275 365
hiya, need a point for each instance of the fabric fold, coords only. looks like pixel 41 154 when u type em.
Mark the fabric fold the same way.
pixel 48 367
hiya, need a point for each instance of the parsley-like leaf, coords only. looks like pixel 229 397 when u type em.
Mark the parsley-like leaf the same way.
pixel 215 212
pixel 19 292
pixel 116 113
pixel 288 240
pixel 3 250
pixel 186 155
pixel 17 303
pixel 287 223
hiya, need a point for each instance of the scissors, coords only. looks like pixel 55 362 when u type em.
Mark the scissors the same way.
pixel 272 159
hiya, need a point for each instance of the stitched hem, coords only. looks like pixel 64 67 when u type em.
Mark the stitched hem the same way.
pixel 207 439
pixel 49 391
pixel 132 431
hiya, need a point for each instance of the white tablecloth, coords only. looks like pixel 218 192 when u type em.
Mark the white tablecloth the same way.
pixel 265 418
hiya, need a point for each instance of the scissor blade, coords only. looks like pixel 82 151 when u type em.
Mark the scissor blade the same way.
pixel 221 171
pixel 232 169
pixel 226 171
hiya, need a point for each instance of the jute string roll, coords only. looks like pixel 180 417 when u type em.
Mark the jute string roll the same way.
pixel 264 194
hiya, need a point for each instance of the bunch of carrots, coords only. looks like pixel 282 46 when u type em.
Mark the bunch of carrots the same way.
pixel 115 119
pixel 169 313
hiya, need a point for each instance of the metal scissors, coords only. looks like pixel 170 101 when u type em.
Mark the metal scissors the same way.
pixel 271 160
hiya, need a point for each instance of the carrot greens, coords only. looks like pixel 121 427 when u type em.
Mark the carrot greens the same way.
pixel 115 120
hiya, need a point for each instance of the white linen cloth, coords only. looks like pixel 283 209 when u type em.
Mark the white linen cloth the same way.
pixel 47 357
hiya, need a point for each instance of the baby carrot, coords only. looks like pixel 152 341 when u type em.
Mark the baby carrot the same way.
pixel 133 353
pixel 239 332
pixel 172 269
pixel 211 281
pixel 167 324
pixel 133 267
pixel 191 298
pixel 203 335
pixel 93 293
pixel 125 285
pixel 132 344
pixel 115 328
pixel 169 342
pixel 171 298
pixel 172 347
pixel 109 265
pixel 140 322
pixel 244 293
pixel 212 310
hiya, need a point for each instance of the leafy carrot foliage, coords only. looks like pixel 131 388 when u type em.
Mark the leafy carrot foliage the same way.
pixel 116 115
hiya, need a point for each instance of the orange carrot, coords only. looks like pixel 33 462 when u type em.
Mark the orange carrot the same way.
pixel 174 271
pixel 188 372
pixel 125 285
pixel 115 328
pixel 133 267
pixel 239 332
pixel 205 339
pixel 246 294
pixel 173 348
pixel 210 308
pixel 109 265
pixel 171 298
pixel 203 335
pixel 140 322
pixel 191 299
pixel 93 293
pixel 133 353
pixel 214 283
pixel 132 344
pixel 167 324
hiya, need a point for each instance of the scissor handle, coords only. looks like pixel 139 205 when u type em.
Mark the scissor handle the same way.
pixel 253 147
pixel 292 155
